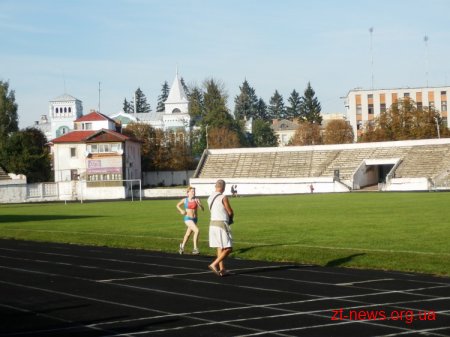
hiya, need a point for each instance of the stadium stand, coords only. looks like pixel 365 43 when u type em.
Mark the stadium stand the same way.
pixel 401 165
pixel 3 174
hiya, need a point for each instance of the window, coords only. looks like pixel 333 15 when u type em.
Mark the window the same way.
pixel 104 148
pixel 65 109
pixel 406 94
pixel 370 96
pixel 370 109
pixel 443 106
pixel 56 110
pixel 70 109
pixel 443 93
pixel 383 107
pixel 87 126
pixel 73 152
pixel 419 106
pixel 431 104
pixel 358 109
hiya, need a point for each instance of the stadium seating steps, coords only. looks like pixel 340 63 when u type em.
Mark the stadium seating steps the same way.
pixel 4 175
pixel 416 161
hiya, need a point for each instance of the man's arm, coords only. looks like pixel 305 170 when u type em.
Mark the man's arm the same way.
pixel 226 204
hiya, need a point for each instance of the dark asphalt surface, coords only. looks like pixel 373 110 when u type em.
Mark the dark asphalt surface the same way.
pixel 49 289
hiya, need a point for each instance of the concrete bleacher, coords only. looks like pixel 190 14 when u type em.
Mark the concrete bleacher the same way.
pixel 414 159
pixel 4 175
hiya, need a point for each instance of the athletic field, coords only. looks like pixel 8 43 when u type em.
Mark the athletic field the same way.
pixel 388 231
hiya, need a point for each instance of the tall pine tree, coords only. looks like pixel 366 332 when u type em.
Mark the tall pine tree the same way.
pixel 196 109
pixel 185 87
pixel 293 110
pixel 127 107
pixel 245 103
pixel 261 110
pixel 141 102
pixel 310 107
pixel 163 97
pixel 276 107
pixel 215 105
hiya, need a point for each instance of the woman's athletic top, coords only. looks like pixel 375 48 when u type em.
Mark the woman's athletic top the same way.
pixel 190 205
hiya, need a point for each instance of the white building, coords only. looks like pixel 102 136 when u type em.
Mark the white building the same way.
pixel 176 107
pixel 175 115
pixel 284 129
pixel 364 105
pixel 63 111
pixel 96 153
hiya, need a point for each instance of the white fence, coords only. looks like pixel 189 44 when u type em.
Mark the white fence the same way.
pixel 69 191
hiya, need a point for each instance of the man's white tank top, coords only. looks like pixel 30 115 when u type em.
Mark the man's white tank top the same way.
pixel 218 211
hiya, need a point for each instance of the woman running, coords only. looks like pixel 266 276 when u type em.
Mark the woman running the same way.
pixel 191 203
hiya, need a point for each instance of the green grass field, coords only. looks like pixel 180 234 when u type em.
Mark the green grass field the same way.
pixel 391 231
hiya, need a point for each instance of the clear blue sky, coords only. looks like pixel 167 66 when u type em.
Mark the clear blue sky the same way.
pixel 49 47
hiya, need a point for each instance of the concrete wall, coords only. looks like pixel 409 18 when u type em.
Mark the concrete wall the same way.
pixel 166 178
pixel 164 193
pixel 407 184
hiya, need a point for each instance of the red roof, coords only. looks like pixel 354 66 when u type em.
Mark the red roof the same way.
pixel 91 136
pixel 93 117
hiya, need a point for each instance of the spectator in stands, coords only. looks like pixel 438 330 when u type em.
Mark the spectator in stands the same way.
pixel 219 228
pixel 191 203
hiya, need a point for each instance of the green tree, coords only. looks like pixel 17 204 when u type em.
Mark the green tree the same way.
pixel 276 109
pixel 293 110
pixel 141 102
pixel 263 135
pixel 185 87
pixel 160 107
pixel 245 103
pixel 261 110
pixel 310 107
pixel 196 109
pixel 9 120
pixel 216 113
pixel 127 107
pixel 404 121
pixel 25 152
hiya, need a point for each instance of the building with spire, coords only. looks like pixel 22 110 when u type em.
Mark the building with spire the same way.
pixel 176 107
pixel 175 115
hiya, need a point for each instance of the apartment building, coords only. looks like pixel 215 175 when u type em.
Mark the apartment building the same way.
pixel 363 106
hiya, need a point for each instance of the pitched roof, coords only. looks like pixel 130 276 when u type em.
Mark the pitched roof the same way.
pixel 93 117
pixel 176 93
pixel 91 136
pixel 64 98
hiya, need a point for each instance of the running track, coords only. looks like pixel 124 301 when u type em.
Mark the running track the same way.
pixel 49 289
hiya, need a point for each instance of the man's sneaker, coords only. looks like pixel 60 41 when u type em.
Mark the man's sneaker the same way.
pixel 181 249
pixel 195 252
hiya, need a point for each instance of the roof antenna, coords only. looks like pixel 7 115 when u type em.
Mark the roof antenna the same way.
pixel 425 39
pixel 371 53
pixel 99 96
pixel 64 81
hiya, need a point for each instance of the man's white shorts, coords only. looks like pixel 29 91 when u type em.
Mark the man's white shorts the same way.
pixel 220 235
